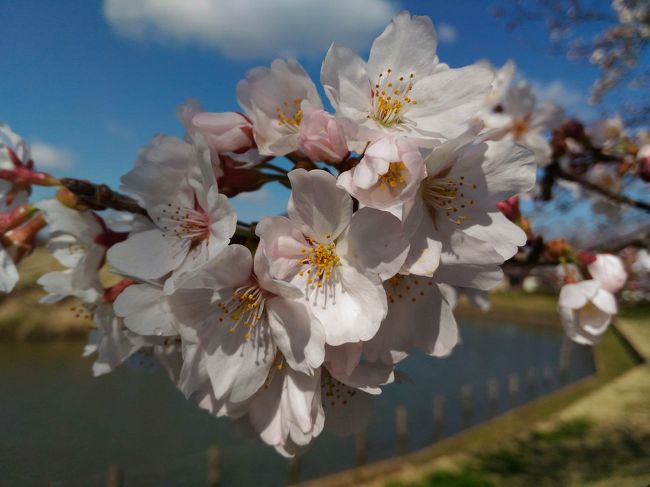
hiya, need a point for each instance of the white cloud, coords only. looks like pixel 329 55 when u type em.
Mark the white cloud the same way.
pixel 573 101
pixel 447 33
pixel 252 28
pixel 48 156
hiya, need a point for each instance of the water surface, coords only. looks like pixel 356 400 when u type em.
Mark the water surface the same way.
pixel 61 427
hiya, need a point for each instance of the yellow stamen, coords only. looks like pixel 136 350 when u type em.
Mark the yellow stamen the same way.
pixel 393 177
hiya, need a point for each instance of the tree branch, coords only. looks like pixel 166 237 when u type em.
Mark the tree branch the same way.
pixel 101 197
pixel 619 198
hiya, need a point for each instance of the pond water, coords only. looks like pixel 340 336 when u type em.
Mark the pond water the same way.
pixel 61 427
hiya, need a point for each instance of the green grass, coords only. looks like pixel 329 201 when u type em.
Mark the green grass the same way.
pixel 567 455
pixel 447 478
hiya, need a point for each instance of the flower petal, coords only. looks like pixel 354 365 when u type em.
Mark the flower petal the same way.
pixel 321 208
pixel 374 243
pixel 299 336
pixel 148 255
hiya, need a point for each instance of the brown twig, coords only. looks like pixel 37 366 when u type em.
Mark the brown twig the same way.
pixel 301 161
pixel 611 195
pixel 101 197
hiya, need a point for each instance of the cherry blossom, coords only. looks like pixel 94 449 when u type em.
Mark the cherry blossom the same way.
pixel 336 258
pixel 243 318
pixel 503 77
pixel 388 175
pixel 455 227
pixel 521 120
pixel 586 310
pixel 609 271
pixel 286 411
pixel 404 198
pixel 607 133
pixel 274 98
pixel 78 240
pixel 401 90
pixel 192 224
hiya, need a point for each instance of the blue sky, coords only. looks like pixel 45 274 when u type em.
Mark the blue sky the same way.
pixel 91 82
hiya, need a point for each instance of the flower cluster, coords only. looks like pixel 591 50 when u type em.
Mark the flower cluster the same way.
pixel 402 197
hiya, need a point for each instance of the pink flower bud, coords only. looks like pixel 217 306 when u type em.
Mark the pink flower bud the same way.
pixel 321 137
pixel 510 208
pixel 235 179
pixel 17 216
pixel 224 132
pixel 20 241
pixel 608 269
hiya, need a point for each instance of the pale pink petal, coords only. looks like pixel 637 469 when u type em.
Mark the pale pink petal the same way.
pixel 374 243
pixel 322 209
pixel 299 336
pixel 148 255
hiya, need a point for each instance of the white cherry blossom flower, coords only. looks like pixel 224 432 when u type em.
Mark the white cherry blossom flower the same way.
pixel 338 259
pixel 608 269
pixel 520 120
pixel 9 276
pixel 191 225
pixel 607 133
pixel 286 411
pixel 388 175
pixel 502 80
pixel 273 99
pixel 78 240
pixel 243 319
pixel 110 340
pixel 586 310
pixel 159 171
pixel 402 90
pixel 454 225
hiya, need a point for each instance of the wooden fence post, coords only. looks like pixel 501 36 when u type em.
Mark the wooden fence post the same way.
pixel 361 447
pixel 513 387
pixel 214 466
pixel 565 357
pixel 531 378
pixel 115 477
pixel 548 376
pixel 438 416
pixel 493 396
pixel 401 428
pixel 468 403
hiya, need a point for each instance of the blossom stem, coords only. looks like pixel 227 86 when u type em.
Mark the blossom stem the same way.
pixel 300 160
pixel 101 197
pixel 274 167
